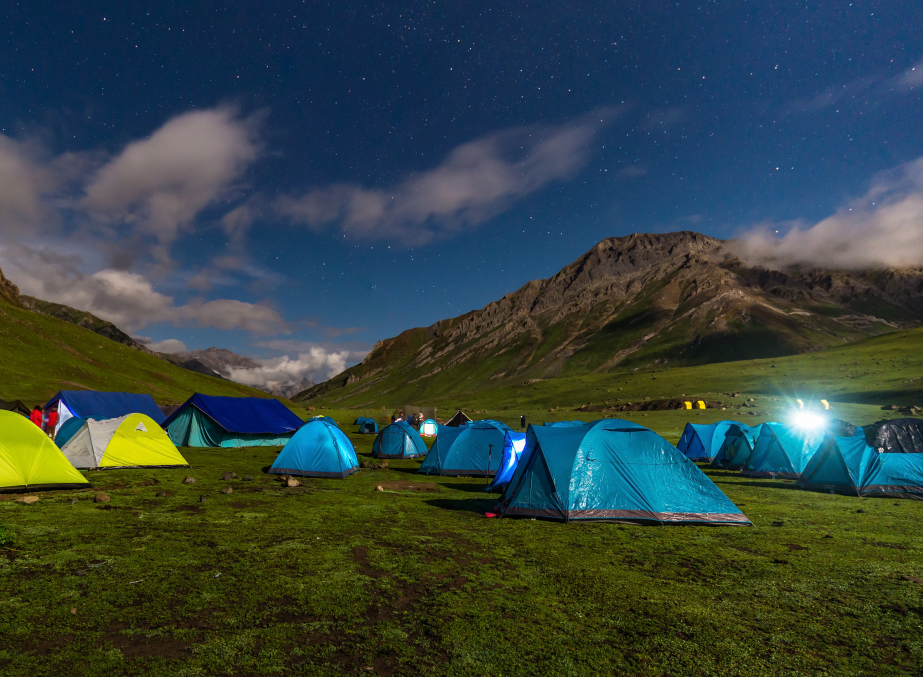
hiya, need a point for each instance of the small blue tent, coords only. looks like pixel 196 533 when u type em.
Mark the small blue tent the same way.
pixel 613 470
pixel 101 405
pixel 398 440
pixel 736 448
pixel 472 449
pixel 700 442
pixel 210 421
pixel 782 451
pixel 367 425
pixel 513 444
pixel 318 449
pixel 66 431
pixel 849 465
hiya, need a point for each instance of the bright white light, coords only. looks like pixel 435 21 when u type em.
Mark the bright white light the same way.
pixel 808 420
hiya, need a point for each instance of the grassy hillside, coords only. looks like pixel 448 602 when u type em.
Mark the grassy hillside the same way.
pixel 40 355
pixel 887 369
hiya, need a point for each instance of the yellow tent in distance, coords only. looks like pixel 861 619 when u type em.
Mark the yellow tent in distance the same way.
pixel 29 460
pixel 133 441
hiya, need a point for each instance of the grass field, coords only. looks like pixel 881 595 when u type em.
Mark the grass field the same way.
pixel 335 577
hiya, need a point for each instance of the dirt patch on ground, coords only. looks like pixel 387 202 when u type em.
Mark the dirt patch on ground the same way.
pixel 138 646
pixel 190 508
pixel 404 485
pixel 239 505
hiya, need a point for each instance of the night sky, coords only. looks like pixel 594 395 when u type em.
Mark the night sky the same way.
pixel 307 178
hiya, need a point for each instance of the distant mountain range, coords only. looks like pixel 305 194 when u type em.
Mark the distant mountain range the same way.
pixel 633 302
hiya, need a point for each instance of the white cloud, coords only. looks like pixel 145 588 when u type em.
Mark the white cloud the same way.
pixel 477 181
pixel 171 346
pixel 287 376
pixel 161 183
pixel 127 299
pixel 24 180
pixel 883 228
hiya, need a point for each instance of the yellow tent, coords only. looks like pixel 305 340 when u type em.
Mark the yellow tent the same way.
pixel 133 441
pixel 29 460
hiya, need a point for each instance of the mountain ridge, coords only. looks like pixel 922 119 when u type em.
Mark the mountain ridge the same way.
pixel 633 301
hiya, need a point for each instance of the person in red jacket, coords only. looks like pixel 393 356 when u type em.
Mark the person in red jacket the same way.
pixel 36 417
pixel 52 423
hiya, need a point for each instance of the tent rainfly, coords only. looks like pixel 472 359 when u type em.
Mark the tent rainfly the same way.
pixel 513 445
pixel 210 421
pixel 459 418
pixel 318 449
pixel 848 465
pixel 736 448
pixel 101 405
pixel 701 442
pixel 782 451
pixel 29 460
pixel 613 470
pixel 398 440
pixel 133 441
pixel 472 449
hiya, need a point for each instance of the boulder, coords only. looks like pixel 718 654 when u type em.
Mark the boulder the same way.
pixel 27 500
pixel 189 480
pixel 102 498
pixel 228 476
pixel 227 490
pixel 292 482
pixel 202 499
pixel 247 478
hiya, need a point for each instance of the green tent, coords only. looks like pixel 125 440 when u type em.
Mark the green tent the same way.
pixel 29 460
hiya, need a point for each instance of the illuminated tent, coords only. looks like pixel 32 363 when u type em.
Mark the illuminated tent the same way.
pixel 133 441
pixel 849 465
pixel 472 449
pixel 29 460
pixel 429 428
pixel 398 440
pixel 782 451
pixel 700 442
pixel 612 470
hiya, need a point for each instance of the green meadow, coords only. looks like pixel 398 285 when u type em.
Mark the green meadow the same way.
pixel 337 578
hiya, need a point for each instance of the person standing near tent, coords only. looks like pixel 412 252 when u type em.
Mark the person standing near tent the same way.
pixel 522 421
pixel 36 417
pixel 51 423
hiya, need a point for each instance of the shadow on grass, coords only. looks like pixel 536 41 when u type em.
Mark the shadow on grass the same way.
pixel 469 487
pixel 472 505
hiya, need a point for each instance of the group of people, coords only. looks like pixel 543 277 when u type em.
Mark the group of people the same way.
pixel 47 424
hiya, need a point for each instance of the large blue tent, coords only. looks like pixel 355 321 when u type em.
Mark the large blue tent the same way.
pixel 564 424
pixel 211 421
pixel 318 449
pixel 101 405
pixel 613 470
pixel 398 440
pixel 736 448
pixel 513 444
pixel 472 449
pixel 782 451
pixel 849 465
pixel 700 442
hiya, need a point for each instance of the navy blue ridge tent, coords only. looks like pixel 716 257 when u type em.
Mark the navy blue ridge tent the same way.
pixel 613 470
pixel 211 421
pixel 475 448
pixel 319 449
pixel 398 440
pixel 101 405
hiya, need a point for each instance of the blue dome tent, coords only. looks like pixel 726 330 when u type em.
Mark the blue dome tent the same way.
pixel 318 449
pixel 613 470
pixel 210 421
pixel 848 465
pixel 736 448
pixel 564 424
pixel 429 428
pixel 367 426
pixel 513 444
pixel 398 440
pixel 700 442
pixel 472 449
pixel 782 451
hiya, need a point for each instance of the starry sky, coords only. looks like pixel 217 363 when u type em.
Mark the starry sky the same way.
pixel 297 180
